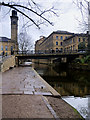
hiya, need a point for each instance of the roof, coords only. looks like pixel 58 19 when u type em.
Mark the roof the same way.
pixel 62 32
pixel 4 39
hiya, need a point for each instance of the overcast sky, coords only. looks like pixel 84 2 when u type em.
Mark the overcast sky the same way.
pixel 67 11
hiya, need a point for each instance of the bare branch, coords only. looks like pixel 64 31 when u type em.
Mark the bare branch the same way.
pixel 31 10
pixel 83 7
pixel 11 6
pixel 40 15
pixel 7 12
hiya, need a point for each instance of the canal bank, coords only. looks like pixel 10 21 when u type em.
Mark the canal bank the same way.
pixel 27 95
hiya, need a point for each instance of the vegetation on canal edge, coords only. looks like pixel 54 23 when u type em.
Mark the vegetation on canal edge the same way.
pixel 83 60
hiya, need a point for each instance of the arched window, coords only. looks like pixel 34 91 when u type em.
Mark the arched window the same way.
pixel 56 43
pixel 61 37
pixel 56 37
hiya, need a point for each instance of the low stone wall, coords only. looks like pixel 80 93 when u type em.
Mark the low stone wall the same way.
pixel 7 63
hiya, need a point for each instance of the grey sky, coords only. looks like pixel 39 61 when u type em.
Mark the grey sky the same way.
pixel 67 11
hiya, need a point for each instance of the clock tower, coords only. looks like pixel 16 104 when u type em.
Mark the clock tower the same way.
pixel 14 29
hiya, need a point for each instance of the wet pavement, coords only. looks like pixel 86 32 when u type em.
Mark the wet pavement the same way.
pixel 24 80
pixel 22 90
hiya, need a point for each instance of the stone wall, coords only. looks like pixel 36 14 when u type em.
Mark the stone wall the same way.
pixel 8 63
pixel 43 61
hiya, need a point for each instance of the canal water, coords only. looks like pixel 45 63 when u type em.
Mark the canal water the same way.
pixel 73 85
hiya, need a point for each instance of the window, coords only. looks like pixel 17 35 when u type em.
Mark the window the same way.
pixel 61 43
pixel 2 48
pixel 6 48
pixel 12 52
pixel 83 39
pixel 73 40
pixel 56 43
pixel 61 37
pixel 56 49
pixel 11 48
pixel 61 50
pixel 56 37
pixel 78 39
pixel 66 37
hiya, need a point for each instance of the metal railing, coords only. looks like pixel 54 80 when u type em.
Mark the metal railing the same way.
pixel 48 52
pixel 52 52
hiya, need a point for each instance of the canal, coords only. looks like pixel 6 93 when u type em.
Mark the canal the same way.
pixel 73 85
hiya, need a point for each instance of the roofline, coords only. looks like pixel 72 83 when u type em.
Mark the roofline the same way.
pixel 55 32
pixel 67 33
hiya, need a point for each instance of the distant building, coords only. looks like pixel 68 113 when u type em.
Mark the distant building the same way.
pixel 38 42
pixel 71 43
pixel 10 46
pixel 59 41
pixel 6 46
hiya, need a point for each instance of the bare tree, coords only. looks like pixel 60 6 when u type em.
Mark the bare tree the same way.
pixel 83 8
pixel 24 42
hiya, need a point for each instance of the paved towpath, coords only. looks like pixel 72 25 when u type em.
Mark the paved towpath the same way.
pixel 22 90
pixel 25 80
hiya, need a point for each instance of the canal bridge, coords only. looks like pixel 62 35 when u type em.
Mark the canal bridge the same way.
pixel 62 57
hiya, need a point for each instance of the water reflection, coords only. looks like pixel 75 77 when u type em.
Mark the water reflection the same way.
pixel 67 82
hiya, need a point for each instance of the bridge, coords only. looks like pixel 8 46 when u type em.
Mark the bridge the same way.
pixel 69 56
pixel 7 62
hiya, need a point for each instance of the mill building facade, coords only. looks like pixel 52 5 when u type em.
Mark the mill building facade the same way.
pixel 60 41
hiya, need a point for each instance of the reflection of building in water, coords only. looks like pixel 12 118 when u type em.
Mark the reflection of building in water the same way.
pixel 75 89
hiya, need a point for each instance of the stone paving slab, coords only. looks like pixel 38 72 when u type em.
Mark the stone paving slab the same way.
pixel 24 106
pixel 42 93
